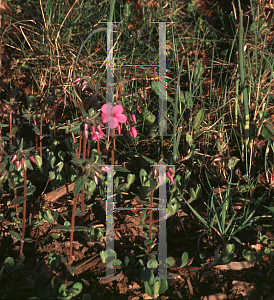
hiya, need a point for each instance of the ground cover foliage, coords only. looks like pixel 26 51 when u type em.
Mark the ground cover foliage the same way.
pixel 53 155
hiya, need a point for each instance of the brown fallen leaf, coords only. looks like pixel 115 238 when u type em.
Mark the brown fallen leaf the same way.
pixel 237 266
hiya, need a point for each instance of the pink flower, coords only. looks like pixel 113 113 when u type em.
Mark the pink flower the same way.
pixel 96 136
pixel 113 115
pixel 171 171
pixel 133 118
pixel 96 180
pixel 32 159
pixel 133 132
pixel 170 177
pixel 105 169
pixel 22 161
pixel 14 158
pixel 17 164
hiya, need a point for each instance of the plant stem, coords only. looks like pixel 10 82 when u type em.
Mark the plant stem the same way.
pixel 15 196
pixel 83 189
pixel 41 130
pixel 24 213
pixel 72 228
pixel 150 220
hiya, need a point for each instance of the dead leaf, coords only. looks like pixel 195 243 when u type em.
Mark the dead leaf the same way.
pixel 237 266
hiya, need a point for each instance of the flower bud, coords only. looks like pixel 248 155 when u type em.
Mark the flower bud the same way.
pixel 86 134
pixel 133 132
pixel 133 118
pixel 77 80
pixel 159 178
pixel 170 177
pixel 106 169
pixel 14 158
pixel 32 159
pixel 22 161
pixel 86 127
pixel 96 180
pixel 171 171
pixel 17 164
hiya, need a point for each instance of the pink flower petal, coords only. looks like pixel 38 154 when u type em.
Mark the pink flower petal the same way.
pixel 118 109
pixel 121 118
pixel 119 129
pixel 93 129
pixel 106 108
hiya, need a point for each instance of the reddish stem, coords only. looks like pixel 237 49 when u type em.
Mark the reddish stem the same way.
pixel 24 213
pixel 72 228
pixel 83 189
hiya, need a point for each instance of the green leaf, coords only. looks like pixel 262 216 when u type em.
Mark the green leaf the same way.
pixel 172 207
pixel 164 286
pixel 156 287
pixel 19 200
pixel 13 131
pixel 199 118
pixel 155 87
pixel 198 71
pixel 51 175
pixel 184 259
pixel 130 179
pixel 61 227
pixel 232 162
pixel 77 287
pixel 126 261
pixel 152 263
pixel 229 248
pixel 170 261
pixel 145 274
pixel 248 255
pixel 71 270
pixel 38 160
pixel 78 186
pixel 36 130
pixel 268 132
pixel 148 289
pixel 103 256
pixel 9 263
pixel 59 166
pixel 15 235
pixel 81 228
pixel 189 139
pixel 117 263
pixel 143 216
pixel 30 190
pixel 121 169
